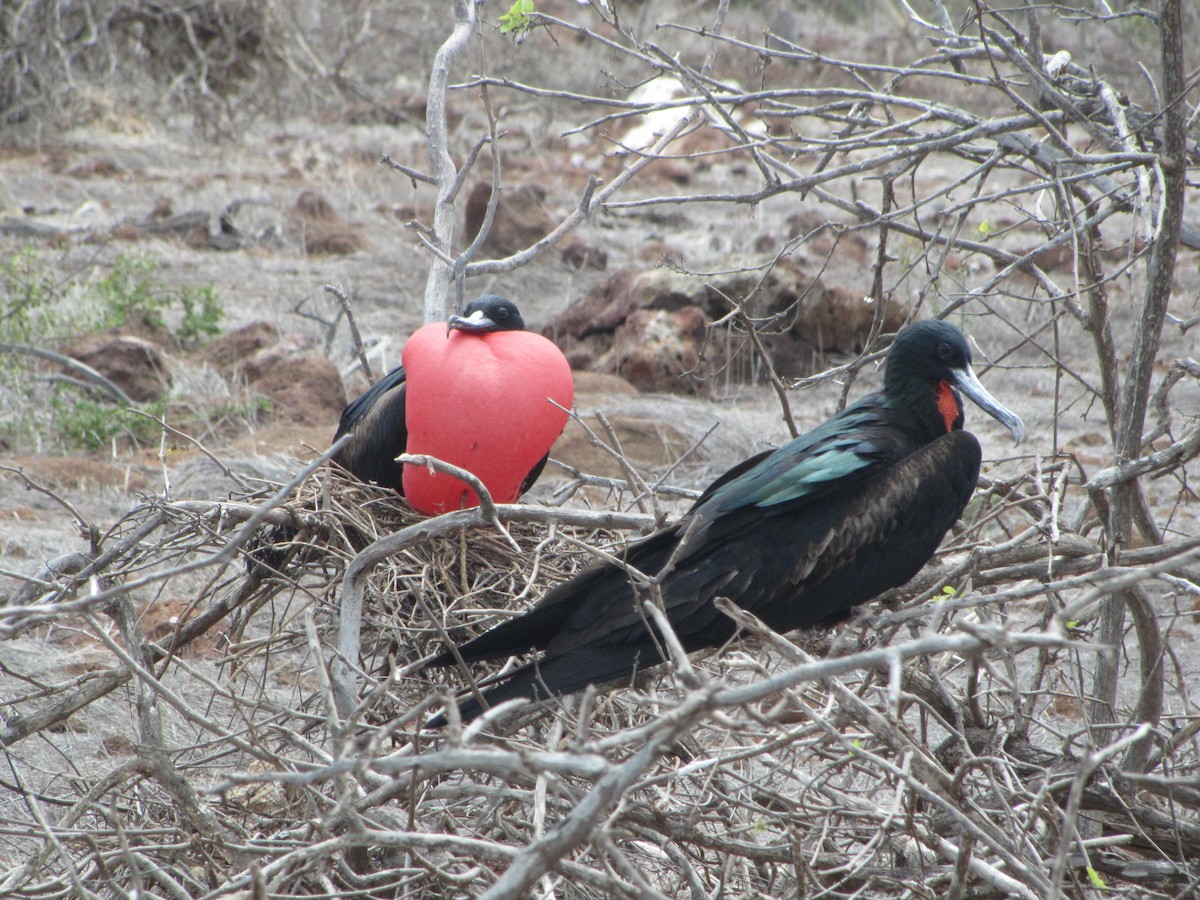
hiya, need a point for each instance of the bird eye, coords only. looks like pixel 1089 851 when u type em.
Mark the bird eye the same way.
pixel 501 312
pixel 944 351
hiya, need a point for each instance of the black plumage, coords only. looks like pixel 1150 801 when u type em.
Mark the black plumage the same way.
pixel 798 535
pixel 376 419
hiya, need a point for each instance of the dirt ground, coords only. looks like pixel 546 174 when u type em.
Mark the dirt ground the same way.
pixel 88 182
pixel 89 189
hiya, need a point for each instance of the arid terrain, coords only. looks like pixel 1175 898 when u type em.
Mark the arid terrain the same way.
pixel 263 199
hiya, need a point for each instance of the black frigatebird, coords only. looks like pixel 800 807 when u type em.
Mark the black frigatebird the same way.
pixel 798 535
pixel 474 391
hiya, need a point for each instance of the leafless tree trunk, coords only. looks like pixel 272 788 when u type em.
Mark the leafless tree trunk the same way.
pixel 1127 502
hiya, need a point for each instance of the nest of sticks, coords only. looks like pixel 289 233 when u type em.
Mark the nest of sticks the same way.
pixel 219 741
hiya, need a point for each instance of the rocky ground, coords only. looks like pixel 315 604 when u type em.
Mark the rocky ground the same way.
pixel 269 216
pixel 314 206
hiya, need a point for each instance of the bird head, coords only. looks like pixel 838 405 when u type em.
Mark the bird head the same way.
pixel 931 354
pixel 488 313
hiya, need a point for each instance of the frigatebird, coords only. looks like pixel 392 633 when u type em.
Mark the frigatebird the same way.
pixel 477 391
pixel 798 535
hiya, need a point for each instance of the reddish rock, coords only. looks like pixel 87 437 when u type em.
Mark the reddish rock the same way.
pixel 521 219
pixel 601 384
pixel 259 364
pixel 654 349
pixel 240 344
pixel 600 310
pixel 579 254
pixel 798 318
pixel 135 365
pixel 188 227
pixel 322 229
pixel 676 171
pixel 104 167
pixel 334 241
pixel 303 387
pixel 118 745
pixel 162 209
pixel 312 207
pixel 656 250
pixel 838 320
pixel 1060 258
pixel 198 238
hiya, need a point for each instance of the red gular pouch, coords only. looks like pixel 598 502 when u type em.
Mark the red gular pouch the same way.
pixel 949 406
pixel 481 402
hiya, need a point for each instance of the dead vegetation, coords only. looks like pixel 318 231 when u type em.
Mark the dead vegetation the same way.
pixel 221 697
pixel 941 742
pixel 196 56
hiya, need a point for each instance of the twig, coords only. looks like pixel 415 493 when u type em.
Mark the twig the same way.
pixel 355 335
pixel 75 366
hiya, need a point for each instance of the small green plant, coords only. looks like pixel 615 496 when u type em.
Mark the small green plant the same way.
pixel 129 293
pixel 39 310
pixel 516 21
pixel 26 293
pixel 132 292
pixel 202 314
pixel 94 425
pixel 33 308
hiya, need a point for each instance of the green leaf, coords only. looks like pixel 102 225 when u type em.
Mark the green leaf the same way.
pixel 985 227
pixel 948 593
pixel 1096 878
pixel 517 17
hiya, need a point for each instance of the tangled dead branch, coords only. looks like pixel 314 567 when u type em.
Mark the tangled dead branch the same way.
pixel 902 757
pixel 192 55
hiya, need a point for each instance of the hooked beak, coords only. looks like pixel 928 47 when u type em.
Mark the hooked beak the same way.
pixel 475 323
pixel 968 382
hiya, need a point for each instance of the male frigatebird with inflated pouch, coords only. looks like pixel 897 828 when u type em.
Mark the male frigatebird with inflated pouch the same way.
pixel 798 536
pixel 477 391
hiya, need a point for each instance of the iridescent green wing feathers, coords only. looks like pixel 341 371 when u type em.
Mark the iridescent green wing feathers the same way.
pixel 850 446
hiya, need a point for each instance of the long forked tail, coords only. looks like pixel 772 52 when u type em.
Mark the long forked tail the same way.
pixel 544 679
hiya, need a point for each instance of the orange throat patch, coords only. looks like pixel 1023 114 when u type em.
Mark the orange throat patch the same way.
pixel 947 404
